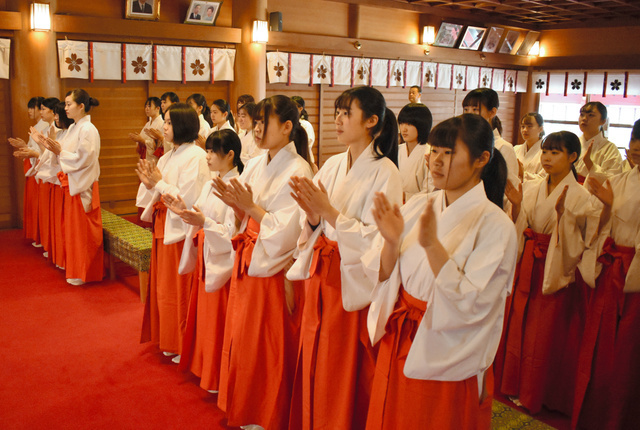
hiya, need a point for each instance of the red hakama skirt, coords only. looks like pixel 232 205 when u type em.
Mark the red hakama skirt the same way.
pixel 165 311
pixel 44 203
pixel 608 382
pixel 56 223
pixel 261 337
pixel 30 206
pixel 398 402
pixel 204 333
pixel 542 335
pixel 336 362
pixel 83 235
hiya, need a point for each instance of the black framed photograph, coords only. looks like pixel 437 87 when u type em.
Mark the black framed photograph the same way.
pixel 491 44
pixel 143 9
pixel 509 42
pixel 448 35
pixel 472 38
pixel 203 12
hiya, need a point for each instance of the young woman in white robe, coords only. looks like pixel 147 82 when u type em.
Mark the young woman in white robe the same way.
pixel 80 170
pixel 528 153
pixel 600 157
pixel 199 103
pixel 247 138
pixel 556 220
pixel 208 251
pixel 221 116
pixel 147 146
pixel 263 318
pixel 608 373
pixel 182 171
pixel 415 122
pixel 332 390
pixel 444 264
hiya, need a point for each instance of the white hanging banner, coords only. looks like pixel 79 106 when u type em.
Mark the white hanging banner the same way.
pixel 379 72
pixel 522 81
pixel 197 64
pixel 556 83
pixel 300 73
pixel 224 61
pixel 5 51
pixel 397 77
pixel 277 67
pixel 459 77
pixel 445 75
pixel 497 82
pixel 575 83
pixel 486 77
pixel 169 63
pixel 106 61
pixel 473 78
pixel 510 81
pixel 321 69
pixel 595 83
pixel 361 71
pixel 138 62
pixel 341 70
pixel 615 84
pixel 429 75
pixel 539 82
pixel 74 59
pixel 413 73
pixel 633 84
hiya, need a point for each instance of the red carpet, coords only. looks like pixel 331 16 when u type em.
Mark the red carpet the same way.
pixel 70 357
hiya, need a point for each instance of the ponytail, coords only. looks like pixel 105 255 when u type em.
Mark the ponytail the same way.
pixel 386 143
pixel 301 141
pixel 494 178
pixel 201 101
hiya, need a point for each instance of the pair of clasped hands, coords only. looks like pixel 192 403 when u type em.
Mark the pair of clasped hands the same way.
pixel 22 150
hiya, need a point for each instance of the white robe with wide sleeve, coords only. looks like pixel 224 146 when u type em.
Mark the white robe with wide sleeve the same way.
pixel 48 165
pixel 570 237
pixel 280 226
pixel 350 192
pixel 218 251
pixel 156 124
pixel 530 159
pixel 507 151
pixel 184 172
pixel 413 169
pixel 459 334
pixel 42 126
pixel 249 147
pixel 605 156
pixel 623 227
pixel 205 128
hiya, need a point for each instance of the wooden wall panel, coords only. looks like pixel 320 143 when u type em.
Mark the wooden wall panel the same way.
pixel 393 25
pixel 121 112
pixel 7 189
pixel 314 17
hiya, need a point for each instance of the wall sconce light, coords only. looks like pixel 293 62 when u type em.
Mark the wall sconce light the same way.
pixel 357 45
pixel 428 37
pixel 40 17
pixel 260 32
pixel 535 49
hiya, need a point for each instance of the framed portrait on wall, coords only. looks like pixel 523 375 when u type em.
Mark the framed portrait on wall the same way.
pixel 472 38
pixel 143 9
pixel 203 12
pixel 448 35
pixel 491 44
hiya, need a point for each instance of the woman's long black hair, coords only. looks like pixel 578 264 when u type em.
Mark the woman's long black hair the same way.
pixel 223 141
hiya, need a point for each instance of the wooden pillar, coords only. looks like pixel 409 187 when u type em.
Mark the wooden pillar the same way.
pixel 354 21
pixel 251 59
pixel 34 72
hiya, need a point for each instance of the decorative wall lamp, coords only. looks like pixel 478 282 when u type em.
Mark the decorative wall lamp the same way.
pixel 40 17
pixel 535 49
pixel 260 31
pixel 428 37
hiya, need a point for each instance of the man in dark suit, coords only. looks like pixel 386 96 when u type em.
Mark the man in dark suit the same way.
pixel 141 6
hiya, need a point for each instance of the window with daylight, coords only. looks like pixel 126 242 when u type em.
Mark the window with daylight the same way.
pixel 562 113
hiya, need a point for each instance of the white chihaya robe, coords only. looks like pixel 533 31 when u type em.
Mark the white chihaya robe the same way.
pixel 623 227
pixel 605 156
pixel 79 158
pixel 459 334
pixel 570 237
pixel 205 128
pixel 42 126
pixel 626 166
pixel 249 147
pixel 218 231
pixel 530 159
pixel 48 165
pixel 225 126
pixel 413 170
pixel 350 192
pixel 311 136
pixel 156 124
pixel 280 226
pixel 509 154
pixel 184 172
